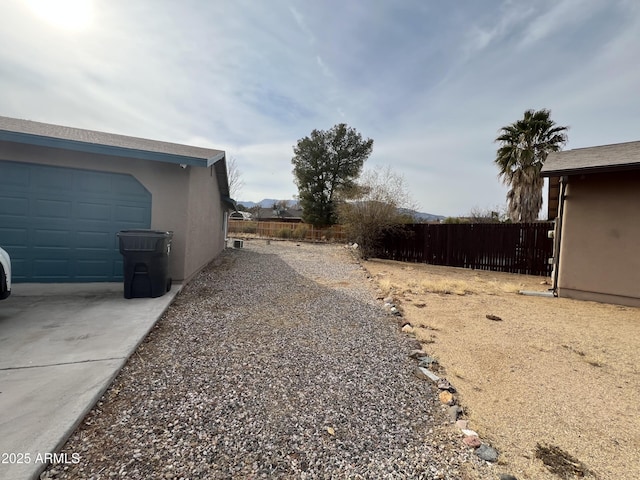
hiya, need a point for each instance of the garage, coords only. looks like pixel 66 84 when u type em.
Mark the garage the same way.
pixel 60 224
pixel 65 192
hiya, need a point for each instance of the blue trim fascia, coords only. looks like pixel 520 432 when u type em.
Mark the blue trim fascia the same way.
pixel 215 159
pixel 111 150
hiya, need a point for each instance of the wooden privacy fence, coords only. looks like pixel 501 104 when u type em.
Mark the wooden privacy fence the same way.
pixel 298 231
pixel 515 248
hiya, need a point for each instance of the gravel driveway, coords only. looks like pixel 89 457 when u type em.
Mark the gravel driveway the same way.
pixel 277 361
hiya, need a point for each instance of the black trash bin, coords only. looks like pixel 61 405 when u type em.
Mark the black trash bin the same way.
pixel 146 262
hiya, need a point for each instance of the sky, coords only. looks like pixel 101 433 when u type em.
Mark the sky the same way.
pixel 430 82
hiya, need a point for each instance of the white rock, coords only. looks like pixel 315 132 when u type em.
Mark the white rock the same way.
pixel 429 374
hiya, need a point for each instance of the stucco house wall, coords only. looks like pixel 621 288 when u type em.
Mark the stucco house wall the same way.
pixel 184 200
pixel 205 222
pixel 600 242
pixel 597 249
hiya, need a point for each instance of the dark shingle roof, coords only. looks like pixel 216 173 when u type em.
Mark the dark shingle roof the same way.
pixel 57 136
pixel 288 214
pixel 605 158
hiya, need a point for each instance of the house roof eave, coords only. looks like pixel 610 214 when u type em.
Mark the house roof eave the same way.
pixel 89 141
pixel 589 170
pixel 599 159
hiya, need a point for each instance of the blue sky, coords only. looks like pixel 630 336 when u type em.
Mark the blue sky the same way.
pixel 431 82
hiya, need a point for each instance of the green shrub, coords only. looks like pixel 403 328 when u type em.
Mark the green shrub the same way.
pixel 284 233
pixel 301 232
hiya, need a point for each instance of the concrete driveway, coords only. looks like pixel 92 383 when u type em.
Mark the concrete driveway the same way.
pixel 61 345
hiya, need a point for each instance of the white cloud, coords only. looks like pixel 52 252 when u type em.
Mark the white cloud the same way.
pixel 560 16
pixel 302 24
pixel 510 18
pixel 323 67
pixel 266 170
pixel 430 84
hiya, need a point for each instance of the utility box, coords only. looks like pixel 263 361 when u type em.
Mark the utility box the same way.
pixel 146 262
pixel 235 243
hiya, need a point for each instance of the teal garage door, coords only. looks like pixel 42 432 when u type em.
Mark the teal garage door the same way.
pixel 59 224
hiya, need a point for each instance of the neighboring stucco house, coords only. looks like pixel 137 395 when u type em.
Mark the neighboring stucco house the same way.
pixel 66 192
pixel 597 250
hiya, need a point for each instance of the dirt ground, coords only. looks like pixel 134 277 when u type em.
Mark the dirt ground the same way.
pixel 553 379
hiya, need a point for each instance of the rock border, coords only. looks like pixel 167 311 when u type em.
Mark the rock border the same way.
pixel 424 370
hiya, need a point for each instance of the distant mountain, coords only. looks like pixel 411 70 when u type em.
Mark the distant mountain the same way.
pixel 429 217
pixel 268 203
pixel 424 217
pixel 265 203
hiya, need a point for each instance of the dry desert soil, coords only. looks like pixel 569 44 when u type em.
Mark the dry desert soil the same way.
pixel 553 385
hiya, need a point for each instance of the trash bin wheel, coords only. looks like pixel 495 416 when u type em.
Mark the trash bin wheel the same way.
pixel 169 281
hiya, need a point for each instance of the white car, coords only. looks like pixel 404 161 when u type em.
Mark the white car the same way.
pixel 240 216
pixel 5 274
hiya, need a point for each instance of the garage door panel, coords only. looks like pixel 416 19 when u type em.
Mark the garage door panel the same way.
pixel 60 224
pixel 117 267
pixel 94 241
pixel 94 182
pixel 14 237
pixel 86 270
pixel 20 269
pixel 14 175
pixel 51 208
pixel 46 238
pixel 47 269
pixel 93 211
pixel 128 189
pixel 131 214
pixel 14 206
pixel 51 179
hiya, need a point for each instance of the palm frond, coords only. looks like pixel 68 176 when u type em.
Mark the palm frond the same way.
pixel 524 146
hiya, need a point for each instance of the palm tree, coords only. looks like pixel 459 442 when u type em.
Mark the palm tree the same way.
pixel 524 146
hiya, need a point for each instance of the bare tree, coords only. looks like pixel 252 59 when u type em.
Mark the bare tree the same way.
pixel 498 214
pixel 234 177
pixel 377 204
pixel 280 207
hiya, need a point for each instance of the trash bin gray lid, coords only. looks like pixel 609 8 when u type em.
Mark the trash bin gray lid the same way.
pixel 145 233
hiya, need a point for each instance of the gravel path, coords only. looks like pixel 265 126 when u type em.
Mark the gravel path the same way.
pixel 277 361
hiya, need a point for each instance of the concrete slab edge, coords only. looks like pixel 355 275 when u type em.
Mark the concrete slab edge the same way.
pixel 175 290
pixel 535 293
